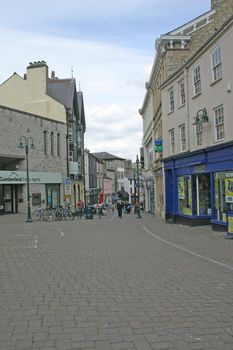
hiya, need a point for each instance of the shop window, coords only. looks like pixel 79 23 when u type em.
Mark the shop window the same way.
pixel 202 191
pixel 185 194
pixel 223 195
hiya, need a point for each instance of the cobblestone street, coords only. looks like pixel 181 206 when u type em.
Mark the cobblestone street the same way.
pixel 114 284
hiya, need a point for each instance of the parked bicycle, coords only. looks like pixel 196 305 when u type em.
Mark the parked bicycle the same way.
pixel 43 214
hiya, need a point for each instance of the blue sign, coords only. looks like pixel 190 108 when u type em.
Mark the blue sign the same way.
pixel 67 181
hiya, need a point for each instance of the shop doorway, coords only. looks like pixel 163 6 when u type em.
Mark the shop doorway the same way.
pixel 53 196
pixel 202 192
pixel 8 199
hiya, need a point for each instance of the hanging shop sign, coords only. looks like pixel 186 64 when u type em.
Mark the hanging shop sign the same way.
pixel 158 146
pixel 67 187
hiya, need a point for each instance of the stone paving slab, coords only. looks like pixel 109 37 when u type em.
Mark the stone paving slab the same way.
pixel 117 284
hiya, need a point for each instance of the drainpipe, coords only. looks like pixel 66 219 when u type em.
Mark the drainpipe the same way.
pixel 188 112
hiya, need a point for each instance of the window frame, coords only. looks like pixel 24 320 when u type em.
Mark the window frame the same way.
pixel 216 67
pixel 182 96
pixel 171 100
pixel 199 135
pixel 219 124
pixel 183 143
pixel 172 140
pixel 196 75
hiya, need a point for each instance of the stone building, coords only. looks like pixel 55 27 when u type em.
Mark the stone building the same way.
pixel 58 100
pixel 46 160
pixel 172 51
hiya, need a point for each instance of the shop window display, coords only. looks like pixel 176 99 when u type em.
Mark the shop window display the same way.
pixel 185 194
pixel 223 192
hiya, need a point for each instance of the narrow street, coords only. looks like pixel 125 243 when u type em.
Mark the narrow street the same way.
pixel 116 284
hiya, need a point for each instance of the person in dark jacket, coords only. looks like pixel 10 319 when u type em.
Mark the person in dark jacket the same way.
pixel 119 209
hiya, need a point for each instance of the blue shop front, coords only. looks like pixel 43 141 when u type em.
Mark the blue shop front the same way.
pixel 199 186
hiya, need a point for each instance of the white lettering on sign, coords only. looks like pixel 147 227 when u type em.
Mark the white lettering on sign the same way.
pixel 20 177
pixel 199 169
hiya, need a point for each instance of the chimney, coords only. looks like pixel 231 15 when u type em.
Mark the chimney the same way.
pixel 215 3
pixel 37 76
pixel 53 74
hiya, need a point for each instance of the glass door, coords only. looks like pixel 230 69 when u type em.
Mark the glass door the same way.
pixel 203 194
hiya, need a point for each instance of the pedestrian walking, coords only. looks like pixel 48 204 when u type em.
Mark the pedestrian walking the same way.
pixel 119 209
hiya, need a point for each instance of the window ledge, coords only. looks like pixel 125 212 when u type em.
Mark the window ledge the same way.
pixel 182 106
pixel 215 81
pixel 170 112
pixel 196 95
pixel 218 141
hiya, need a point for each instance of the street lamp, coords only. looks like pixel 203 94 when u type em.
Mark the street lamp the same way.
pixel 27 142
pixel 138 208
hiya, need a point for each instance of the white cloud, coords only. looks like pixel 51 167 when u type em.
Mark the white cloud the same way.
pixel 109 44
pixel 112 80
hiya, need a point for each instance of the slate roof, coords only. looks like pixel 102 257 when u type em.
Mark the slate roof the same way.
pixel 106 156
pixel 64 91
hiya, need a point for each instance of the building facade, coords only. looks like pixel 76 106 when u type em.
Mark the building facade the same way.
pixel 46 161
pixel 172 50
pixel 58 100
pixel 197 134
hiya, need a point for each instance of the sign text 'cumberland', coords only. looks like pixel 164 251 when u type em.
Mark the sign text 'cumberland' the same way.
pixel 20 177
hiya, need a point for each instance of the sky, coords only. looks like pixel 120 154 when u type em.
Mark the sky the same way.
pixel 108 46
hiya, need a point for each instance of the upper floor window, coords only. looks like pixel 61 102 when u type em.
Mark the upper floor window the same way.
pixel 172 141
pixel 109 164
pixel 171 102
pixel 52 143
pixel 149 153
pixel 182 138
pixel 45 142
pixel 199 134
pixel 182 98
pixel 219 123
pixel 196 80
pixel 216 61
pixel 58 145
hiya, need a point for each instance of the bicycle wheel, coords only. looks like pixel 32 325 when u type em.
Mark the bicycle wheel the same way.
pixel 70 215
pixel 49 215
pixel 36 216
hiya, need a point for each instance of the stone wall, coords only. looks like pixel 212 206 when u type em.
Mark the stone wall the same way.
pixel 15 124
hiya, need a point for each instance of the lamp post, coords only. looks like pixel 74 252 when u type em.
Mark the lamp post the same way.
pixel 138 208
pixel 134 191
pixel 27 142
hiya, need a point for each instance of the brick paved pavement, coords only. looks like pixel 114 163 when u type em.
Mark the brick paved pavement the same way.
pixel 114 284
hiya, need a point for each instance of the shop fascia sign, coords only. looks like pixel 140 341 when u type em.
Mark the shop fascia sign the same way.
pixel 199 169
pixel 20 177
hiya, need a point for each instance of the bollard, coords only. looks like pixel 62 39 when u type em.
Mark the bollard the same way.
pixel 89 213
pixel 138 214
